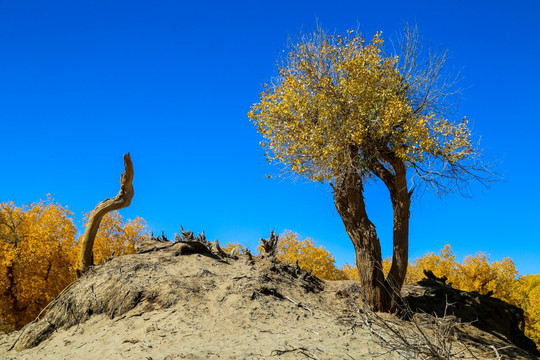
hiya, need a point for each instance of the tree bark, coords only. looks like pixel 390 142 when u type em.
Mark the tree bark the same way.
pixel 121 200
pixel 401 202
pixel 349 201
pixel 11 295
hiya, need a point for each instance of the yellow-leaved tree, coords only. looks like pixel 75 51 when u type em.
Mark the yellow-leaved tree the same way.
pixel 309 256
pixel 291 249
pixel 234 248
pixel 36 258
pixel 526 295
pixel 442 264
pixel 343 111
pixel 39 254
pixel 478 273
pixel 350 272
pixel 475 273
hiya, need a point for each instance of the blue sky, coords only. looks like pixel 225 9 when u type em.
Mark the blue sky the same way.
pixel 83 82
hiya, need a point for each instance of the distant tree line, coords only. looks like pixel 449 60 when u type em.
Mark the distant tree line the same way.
pixel 475 273
pixel 39 253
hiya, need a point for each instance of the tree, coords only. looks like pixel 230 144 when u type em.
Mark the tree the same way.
pixel 474 273
pixel 442 264
pixel 350 272
pixel 36 258
pixel 343 111
pixel 477 273
pixel 526 295
pixel 309 257
pixel 39 254
pixel 234 249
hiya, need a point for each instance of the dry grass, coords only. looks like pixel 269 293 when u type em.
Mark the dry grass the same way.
pixel 424 336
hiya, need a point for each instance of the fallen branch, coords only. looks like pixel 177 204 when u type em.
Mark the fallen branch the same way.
pixel 302 351
pixel 300 305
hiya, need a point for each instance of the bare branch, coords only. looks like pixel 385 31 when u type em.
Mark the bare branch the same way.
pixel 121 200
pixel 427 85
pixel 443 177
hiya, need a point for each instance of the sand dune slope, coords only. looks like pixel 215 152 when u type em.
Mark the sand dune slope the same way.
pixel 178 301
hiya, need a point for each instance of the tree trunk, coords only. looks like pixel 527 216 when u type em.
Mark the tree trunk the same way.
pixel 349 201
pixel 121 200
pixel 401 202
pixel 13 306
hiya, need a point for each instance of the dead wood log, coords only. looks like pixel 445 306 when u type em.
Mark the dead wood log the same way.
pixel 121 200
pixel 431 276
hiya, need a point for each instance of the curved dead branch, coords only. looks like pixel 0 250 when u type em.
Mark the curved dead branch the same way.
pixel 121 200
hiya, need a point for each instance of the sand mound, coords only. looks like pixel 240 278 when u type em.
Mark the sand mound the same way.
pixel 190 300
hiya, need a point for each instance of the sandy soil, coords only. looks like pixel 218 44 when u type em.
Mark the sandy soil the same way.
pixel 173 304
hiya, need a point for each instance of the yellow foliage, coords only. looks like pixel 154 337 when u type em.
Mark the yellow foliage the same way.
pixel 36 258
pixel 310 257
pixel 350 272
pixel 116 237
pixel 526 295
pixel 477 273
pixel 442 264
pixel 234 249
pixel 39 254
pixel 532 311
pixel 340 102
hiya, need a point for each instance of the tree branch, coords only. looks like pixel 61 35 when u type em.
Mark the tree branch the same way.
pixel 383 173
pixel 121 200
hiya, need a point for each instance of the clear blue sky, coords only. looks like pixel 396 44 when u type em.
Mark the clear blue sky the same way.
pixel 83 82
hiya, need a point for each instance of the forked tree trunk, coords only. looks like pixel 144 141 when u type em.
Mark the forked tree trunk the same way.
pixel 381 294
pixel 121 200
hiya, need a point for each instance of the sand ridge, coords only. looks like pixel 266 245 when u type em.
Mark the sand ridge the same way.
pixel 171 302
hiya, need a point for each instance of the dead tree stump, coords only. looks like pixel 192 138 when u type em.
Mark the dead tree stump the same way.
pixel 270 246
